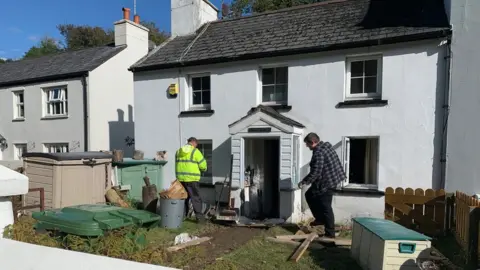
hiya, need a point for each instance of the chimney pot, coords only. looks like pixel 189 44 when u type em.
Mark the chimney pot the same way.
pixel 136 19
pixel 126 13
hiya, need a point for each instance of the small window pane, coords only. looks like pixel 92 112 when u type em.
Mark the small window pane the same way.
pixel 197 97
pixel 20 98
pixel 21 111
pixel 206 82
pixel 197 83
pixel 268 93
pixel 281 75
pixel 356 86
pixel 268 76
pixel 205 97
pixel 371 68
pixel 281 92
pixel 371 85
pixel 356 69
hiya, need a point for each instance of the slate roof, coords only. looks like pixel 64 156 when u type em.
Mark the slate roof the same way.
pixel 270 112
pixel 57 66
pixel 331 25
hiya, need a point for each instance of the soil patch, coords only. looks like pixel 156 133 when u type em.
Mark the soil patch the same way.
pixel 224 241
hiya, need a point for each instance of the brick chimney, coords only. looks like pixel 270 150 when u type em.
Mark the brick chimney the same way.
pixel 188 15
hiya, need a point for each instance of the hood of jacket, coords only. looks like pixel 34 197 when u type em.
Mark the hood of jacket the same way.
pixel 185 150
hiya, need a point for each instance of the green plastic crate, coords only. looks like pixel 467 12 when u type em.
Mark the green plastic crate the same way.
pixel 92 219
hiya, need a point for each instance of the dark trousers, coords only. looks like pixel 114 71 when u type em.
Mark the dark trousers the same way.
pixel 193 190
pixel 320 204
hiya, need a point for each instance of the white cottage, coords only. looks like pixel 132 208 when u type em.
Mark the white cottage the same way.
pixel 367 76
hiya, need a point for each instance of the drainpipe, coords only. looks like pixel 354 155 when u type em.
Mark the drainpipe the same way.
pixel 85 112
pixel 446 111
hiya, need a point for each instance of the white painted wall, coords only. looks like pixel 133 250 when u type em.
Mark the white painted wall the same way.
pixel 189 15
pixel 47 258
pixel 413 77
pixel 111 91
pixel 462 144
pixel 35 130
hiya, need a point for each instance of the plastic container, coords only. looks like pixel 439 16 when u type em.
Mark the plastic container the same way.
pixel 92 219
pixel 131 172
pixel 171 213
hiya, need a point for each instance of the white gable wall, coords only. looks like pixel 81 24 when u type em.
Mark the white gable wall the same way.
pixel 413 75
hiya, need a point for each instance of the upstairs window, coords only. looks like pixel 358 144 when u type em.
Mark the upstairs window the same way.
pixel 275 85
pixel 200 89
pixel 56 102
pixel 19 105
pixel 364 77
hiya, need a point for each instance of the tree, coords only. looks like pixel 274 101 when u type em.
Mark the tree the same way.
pixel 155 34
pixel 46 46
pixel 84 36
pixel 6 60
pixel 246 7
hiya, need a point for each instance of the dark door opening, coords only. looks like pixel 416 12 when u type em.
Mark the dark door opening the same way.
pixel 262 163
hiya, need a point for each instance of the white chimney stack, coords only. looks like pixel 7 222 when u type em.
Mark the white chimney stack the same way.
pixel 131 33
pixel 189 15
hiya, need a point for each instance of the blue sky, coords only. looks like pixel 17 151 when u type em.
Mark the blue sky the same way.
pixel 24 22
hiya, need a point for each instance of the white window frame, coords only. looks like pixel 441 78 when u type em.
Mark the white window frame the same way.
pixel 19 150
pixel 50 100
pixel 348 62
pixel 48 147
pixel 190 91
pixel 208 175
pixel 18 104
pixel 260 77
pixel 346 163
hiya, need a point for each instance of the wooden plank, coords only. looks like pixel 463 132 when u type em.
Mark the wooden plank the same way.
pixel 293 236
pixel 189 244
pixel 388 212
pixel 301 249
pixel 299 232
pixel 336 241
pixel 293 243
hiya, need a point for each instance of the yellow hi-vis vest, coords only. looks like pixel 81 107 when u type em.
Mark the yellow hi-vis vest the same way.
pixel 189 163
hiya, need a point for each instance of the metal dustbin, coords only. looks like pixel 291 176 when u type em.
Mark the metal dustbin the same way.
pixel 171 213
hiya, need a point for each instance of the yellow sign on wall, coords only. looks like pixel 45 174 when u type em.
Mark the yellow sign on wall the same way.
pixel 173 89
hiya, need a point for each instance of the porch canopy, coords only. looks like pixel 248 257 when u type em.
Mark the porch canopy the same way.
pixel 266 122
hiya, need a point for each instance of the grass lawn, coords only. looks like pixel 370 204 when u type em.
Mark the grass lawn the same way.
pixel 229 248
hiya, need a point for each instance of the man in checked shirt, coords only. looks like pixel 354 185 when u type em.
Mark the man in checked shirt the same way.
pixel 326 172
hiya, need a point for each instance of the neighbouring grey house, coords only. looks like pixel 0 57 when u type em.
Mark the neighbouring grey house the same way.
pixel 368 76
pixel 72 101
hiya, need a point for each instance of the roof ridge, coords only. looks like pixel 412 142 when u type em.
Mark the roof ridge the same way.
pixel 60 53
pixel 282 10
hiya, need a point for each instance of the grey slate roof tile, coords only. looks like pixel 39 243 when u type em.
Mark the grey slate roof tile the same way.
pixel 57 65
pixel 313 27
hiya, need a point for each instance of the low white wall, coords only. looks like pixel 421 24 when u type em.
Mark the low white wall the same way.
pixel 22 256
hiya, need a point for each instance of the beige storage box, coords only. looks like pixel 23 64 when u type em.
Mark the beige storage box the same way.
pixel 379 244
pixel 68 178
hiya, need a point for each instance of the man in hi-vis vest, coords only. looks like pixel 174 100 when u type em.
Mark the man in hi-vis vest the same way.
pixel 189 166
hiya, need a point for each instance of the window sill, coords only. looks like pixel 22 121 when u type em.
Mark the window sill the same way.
pixel 358 190
pixel 18 120
pixel 279 107
pixel 54 117
pixel 204 112
pixel 362 103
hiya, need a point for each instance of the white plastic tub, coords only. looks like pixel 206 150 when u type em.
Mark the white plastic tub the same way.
pixel 12 183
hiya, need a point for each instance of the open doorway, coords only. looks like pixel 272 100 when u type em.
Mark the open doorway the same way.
pixel 262 174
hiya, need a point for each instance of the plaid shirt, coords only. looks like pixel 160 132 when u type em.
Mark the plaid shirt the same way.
pixel 326 170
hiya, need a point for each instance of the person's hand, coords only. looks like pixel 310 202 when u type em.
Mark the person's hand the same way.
pixel 300 185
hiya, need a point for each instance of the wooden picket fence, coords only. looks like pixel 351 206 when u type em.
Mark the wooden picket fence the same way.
pixel 420 210
pixel 467 217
